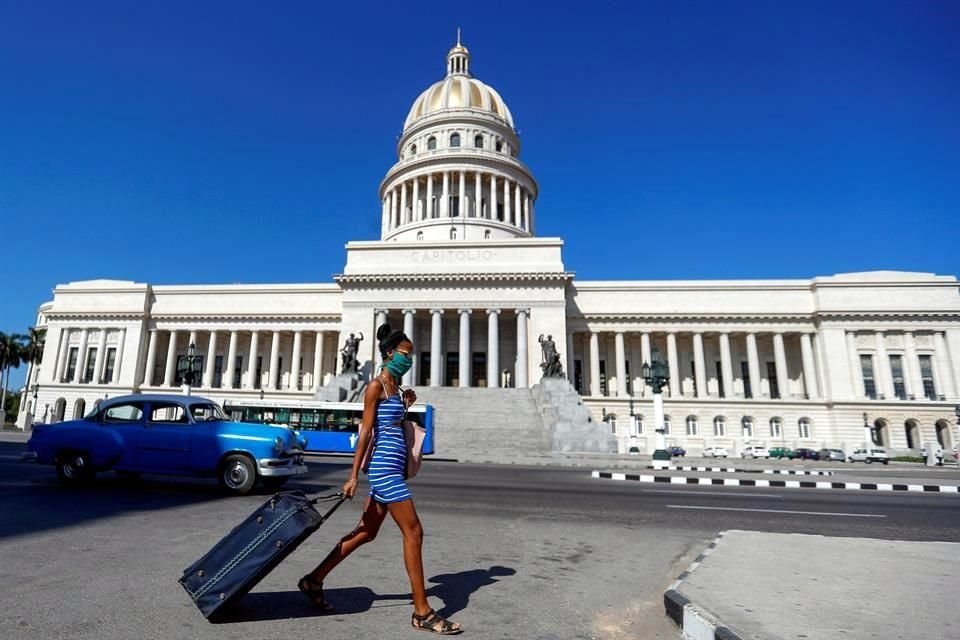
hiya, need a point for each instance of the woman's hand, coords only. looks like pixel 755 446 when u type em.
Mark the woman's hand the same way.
pixel 409 397
pixel 350 488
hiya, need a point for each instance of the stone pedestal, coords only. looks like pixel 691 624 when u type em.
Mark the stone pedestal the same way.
pixel 570 423
pixel 341 388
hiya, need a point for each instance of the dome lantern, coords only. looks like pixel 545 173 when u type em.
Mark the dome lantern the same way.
pixel 458 60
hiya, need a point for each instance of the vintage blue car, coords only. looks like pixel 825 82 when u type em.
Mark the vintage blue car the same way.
pixel 169 434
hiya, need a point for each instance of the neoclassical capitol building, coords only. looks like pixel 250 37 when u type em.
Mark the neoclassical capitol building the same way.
pixel 460 267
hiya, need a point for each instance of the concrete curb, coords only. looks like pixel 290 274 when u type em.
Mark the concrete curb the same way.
pixel 696 623
pixel 779 484
pixel 791 472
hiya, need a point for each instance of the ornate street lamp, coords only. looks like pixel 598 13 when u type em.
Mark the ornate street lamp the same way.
pixel 657 375
pixel 867 433
pixel 190 368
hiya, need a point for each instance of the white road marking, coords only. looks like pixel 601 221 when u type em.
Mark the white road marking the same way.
pixel 805 513
pixel 711 493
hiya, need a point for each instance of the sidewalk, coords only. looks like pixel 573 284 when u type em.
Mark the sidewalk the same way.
pixel 773 586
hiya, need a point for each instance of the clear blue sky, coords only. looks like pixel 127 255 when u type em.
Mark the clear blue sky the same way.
pixel 211 142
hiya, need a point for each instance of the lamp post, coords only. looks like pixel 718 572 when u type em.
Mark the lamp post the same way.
pixel 956 440
pixel 29 418
pixel 657 375
pixel 190 368
pixel 867 434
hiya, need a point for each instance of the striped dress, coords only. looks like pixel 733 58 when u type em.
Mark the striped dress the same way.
pixel 389 460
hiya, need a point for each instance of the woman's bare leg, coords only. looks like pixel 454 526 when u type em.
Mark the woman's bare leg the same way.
pixel 366 531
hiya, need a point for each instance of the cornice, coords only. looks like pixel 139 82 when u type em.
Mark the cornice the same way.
pixel 542 276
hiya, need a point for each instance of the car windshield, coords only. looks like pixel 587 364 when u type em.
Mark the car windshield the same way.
pixel 206 412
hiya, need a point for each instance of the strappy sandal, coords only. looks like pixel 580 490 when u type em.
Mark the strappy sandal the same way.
pixel 314 591
pixel 434 623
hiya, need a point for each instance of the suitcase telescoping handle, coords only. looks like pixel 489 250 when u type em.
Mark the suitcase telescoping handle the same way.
pixel 339 497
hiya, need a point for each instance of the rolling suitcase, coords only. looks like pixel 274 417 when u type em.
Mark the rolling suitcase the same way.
pixel 251 551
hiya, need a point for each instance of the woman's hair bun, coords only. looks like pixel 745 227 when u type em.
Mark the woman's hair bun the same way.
pixel 383 331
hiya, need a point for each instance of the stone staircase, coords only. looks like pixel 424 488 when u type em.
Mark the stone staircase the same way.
pixel 569 423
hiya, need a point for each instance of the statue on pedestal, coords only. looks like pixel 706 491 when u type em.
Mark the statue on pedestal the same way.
pixel 348 354
pixel 551 365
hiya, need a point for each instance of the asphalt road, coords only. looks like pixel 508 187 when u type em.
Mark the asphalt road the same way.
pixel 510 551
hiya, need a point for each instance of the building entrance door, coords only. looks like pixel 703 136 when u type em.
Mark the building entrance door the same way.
pixel 451 377
pixel 479 376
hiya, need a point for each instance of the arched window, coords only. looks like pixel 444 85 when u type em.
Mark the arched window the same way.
pixel 747 426
pixel 803 426
pixel 486 234
pixel 478 141
pixel 453 233
pixel 59 409
pixel 693 429
pixel 419 235
pixel 666 425
pixel 638 422
pixel 720 427
pixel 776 427
pixel 431 143
pixel 78 408
pixel 455 140
pixel 413 149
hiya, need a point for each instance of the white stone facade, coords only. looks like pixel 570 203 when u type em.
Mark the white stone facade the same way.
pixel 791 362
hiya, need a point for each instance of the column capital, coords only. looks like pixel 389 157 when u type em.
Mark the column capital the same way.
pixel 406 311
pixel 436 311
pixel 464 310
pixel 491 311
pixel 522 311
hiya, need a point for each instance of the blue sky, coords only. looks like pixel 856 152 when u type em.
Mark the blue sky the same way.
pixel 211 142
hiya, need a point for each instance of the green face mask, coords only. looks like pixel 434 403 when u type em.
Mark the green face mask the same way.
pixel 398 365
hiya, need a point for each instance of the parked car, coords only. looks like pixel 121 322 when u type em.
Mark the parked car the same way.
pixel 715 452
pixel 868 456
pixel 754 452
pixel 171 435
pixel 832 454
pixel 806 454
pixel 677 451
pixel 781 452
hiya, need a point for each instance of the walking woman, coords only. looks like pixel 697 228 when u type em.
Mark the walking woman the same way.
pixel 383 409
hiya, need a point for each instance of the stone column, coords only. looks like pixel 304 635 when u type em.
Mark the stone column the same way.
pixel 809 367
pixel 98 361
pixel 81 356
pixel 193 339
pixel 780 362
pixel 385 216
pixel 211 359
pixel 403 202
pixel 394 208
pixel 621 358
pixel 381 317
pixel 753 364
pixel 62 355
pixel 507 214
pixel 410 377
pixel 436 344
pixel 941 356
pixel 882 375
pixel 645 356
pixel 594 363
pixel 477 195
pixel 523 366
pixel 445 196
pixel 295 360
pixel 570 359
pixel 318 360
pixel 274 362
pixel 231 359
pixel 465 360
pixel 118 363
pixel 521 219
pixel 415 205
pixel 856 371
pixel 911 367
pixel 462 195
pixel 493 348
pixel 726 365
pixel 252 364
pixel 151 359
pixel 493 197
pixel 673 362
pixel 700 364
pixel 428 205
pixel 171 368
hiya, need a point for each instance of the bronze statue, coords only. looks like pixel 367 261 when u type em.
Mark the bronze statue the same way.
pixel 551 365
pixel 351 347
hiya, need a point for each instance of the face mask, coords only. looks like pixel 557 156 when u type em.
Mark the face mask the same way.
pixel 398 365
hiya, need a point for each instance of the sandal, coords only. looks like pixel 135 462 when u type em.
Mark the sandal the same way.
pixel 314 591
pixel 432 621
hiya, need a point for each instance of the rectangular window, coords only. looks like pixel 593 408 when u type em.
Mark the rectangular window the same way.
pixel 693 428
pixel 720 388
pixel 772 378
pixel 259 375
pixel 896 371
pixel 71 364
pixel 666 425
pixel 745 375
pixel 237 372
pixel 299 381
pixel 91 363
pixel 926 374
pixel 629 379
pixel 218 372
pixel 693 374
pixel 500 211
pixel 720 428
pixel 454 206
pixel 279 372
pixel 578 376
pixel 603 377
pixel 869 385
pixel 111 364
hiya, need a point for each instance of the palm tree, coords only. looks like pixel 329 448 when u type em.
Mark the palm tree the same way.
pixel 33 349
pixel 12 350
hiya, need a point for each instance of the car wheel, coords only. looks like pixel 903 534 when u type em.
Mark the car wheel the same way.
pixel 869 460
pixel 237 474
pixel 274 484
pixel 74 467
pixel 885 461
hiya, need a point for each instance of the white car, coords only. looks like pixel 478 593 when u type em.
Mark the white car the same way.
pixel 715 452
pixel 755 452
pixel 868 456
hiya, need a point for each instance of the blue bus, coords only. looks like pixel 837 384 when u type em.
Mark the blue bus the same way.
pixel 329 427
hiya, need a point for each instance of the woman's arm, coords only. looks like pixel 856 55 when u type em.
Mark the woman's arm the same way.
pixel 371 398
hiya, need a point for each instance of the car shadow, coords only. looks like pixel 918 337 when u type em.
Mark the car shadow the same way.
pixel 453 589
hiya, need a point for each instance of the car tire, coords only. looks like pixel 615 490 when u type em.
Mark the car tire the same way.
pixel 869 461
pixel 237 474
pixel 274 484
pixel 74 467
pixel 886 462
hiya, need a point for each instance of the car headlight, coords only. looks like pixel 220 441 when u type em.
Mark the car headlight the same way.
pixel 278 445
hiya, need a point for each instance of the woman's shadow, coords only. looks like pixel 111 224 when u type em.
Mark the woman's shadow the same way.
pixel 453 589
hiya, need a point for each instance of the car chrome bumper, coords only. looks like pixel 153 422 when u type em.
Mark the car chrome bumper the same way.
pixel 273 467
pixel 28 456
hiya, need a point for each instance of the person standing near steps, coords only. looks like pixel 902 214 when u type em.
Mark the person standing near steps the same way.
pixel 383 410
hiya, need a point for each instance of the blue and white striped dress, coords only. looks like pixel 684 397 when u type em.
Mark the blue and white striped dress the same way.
pixel 389 460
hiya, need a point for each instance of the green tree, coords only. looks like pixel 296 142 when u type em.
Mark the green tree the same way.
pixel 12 348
